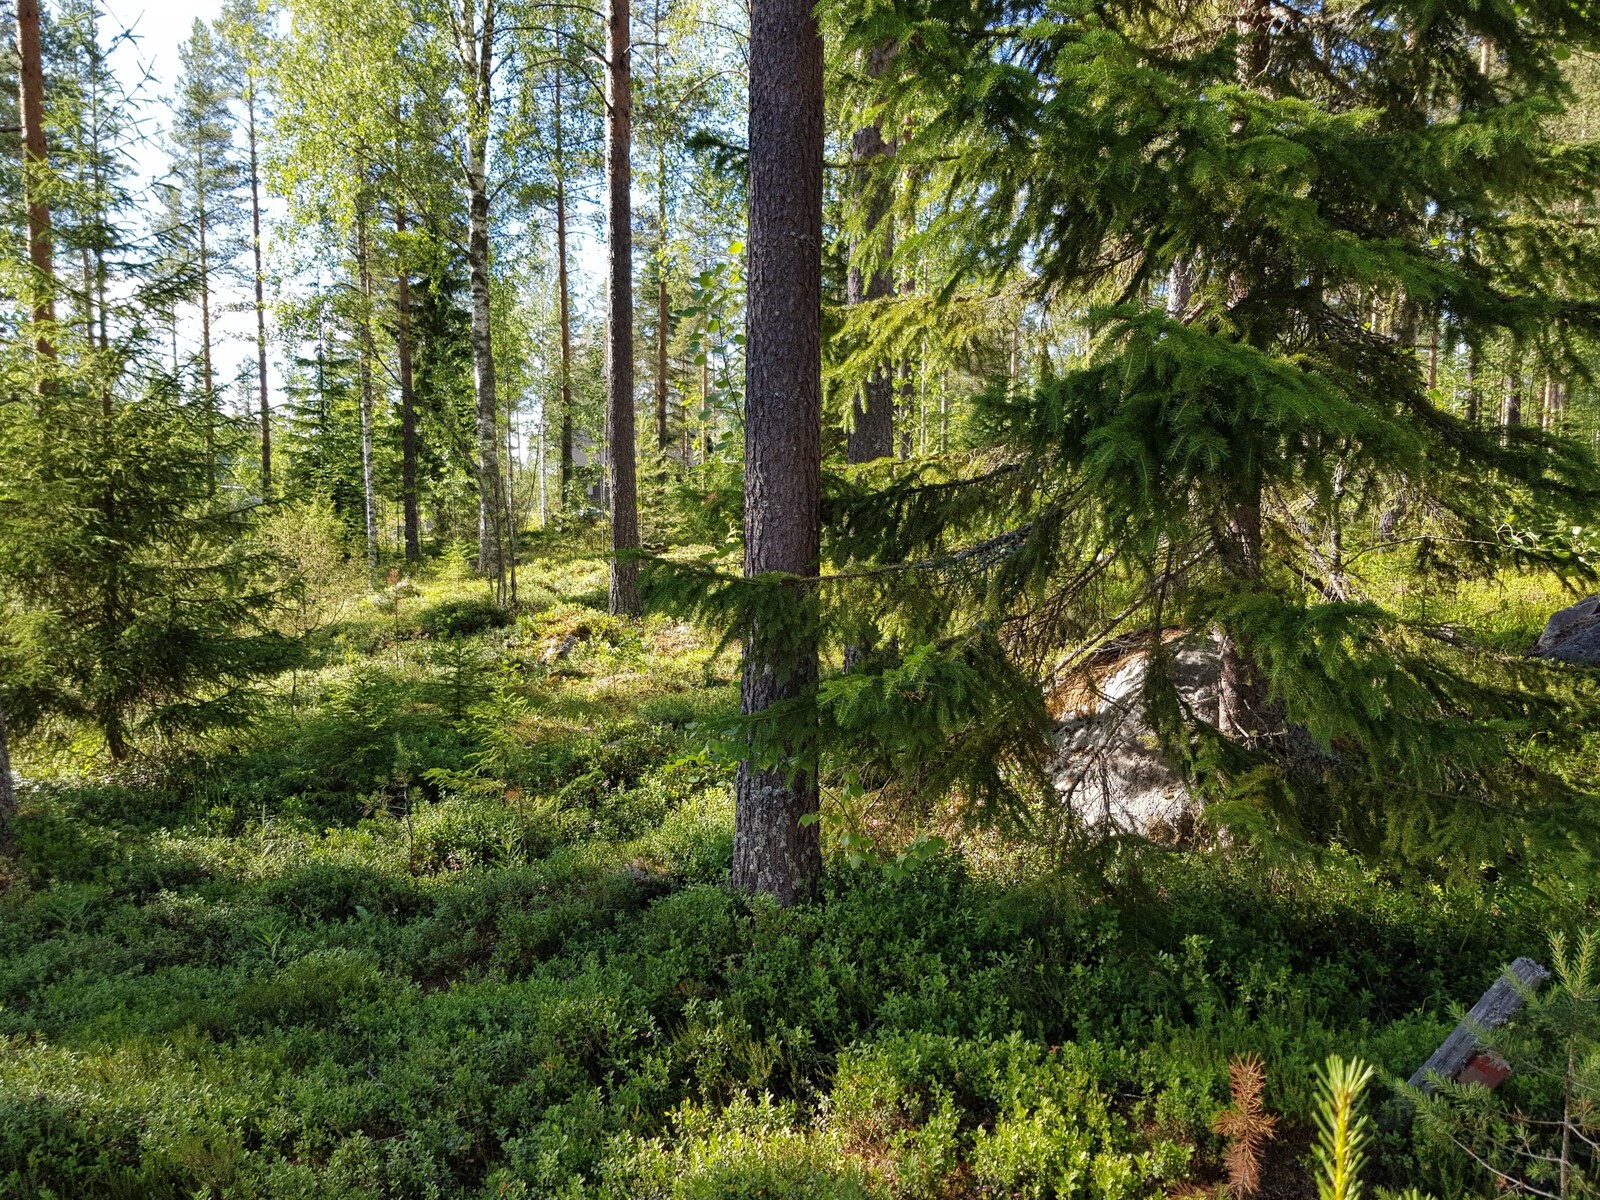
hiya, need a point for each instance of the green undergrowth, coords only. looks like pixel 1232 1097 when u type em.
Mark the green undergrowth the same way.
pixel 453 921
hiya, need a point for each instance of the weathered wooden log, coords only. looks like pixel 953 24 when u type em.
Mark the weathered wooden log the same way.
pixel 1496 1006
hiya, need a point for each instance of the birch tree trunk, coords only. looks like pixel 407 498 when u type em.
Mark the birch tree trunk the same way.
pixel 562 299
pixel 624 597
pixel 776 848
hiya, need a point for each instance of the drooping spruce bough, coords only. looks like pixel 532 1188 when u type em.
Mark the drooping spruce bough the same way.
pixel 1256 211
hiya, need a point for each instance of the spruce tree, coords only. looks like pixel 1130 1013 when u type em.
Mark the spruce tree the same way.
pixel 1223 196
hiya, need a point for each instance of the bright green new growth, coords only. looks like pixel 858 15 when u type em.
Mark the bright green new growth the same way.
pixel 1342 1130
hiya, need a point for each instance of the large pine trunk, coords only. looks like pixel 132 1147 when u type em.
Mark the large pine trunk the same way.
pixel 624 598
pixel 774 848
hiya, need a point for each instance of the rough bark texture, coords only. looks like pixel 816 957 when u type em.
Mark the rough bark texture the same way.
pixel 477 51
pixel 260 283
pixel 772 850
pixel 35 161
pixel 408 396
pixel 207 382
pixel 663 312
pixel 871 434
pixel 624 598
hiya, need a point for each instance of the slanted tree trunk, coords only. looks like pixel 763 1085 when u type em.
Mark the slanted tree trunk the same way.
pixel 260 284
pixel 408 393
pixel 477 51
pixel 776 846
pixel 624 597
pixel 562 299
pixel 35 162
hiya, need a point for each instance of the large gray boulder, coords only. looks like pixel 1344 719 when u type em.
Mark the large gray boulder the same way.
pixel 1108 769
pixel 1572 635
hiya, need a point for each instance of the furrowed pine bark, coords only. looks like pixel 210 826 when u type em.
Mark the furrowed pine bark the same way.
pixel 260 282
pixel 408 393
pixel 477 50
pixel 624 597
pixel 35 165
pixel 776 848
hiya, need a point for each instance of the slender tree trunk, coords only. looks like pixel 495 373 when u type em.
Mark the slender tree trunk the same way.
pixel 563 302
pixel 408 393
pixel 1472 385
pixel 663 313
pixel 871 433
pixel 624 598
pixel 8 791
pixel 35 166
pixel 776 846
pixel 261 295
pixel 207 382
pixel 477 57
pixel 364 376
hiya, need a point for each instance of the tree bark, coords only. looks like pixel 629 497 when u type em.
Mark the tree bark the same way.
pixel 663 313
pixel 260 282
pixel 563 301
pixel 871 434
pixel 207 383
pixel 477 50
pixel 408 393
pixel 35 165
pixel 369 503
pixel 624 598
pixel 776 848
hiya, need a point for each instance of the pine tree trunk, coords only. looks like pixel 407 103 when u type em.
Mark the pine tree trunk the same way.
pixel 364 375
pixel 261 297
pixel 624 598
pixel 773 851
pixel 408 395
pixel 36 162
pixel 477 52
pixel 563 303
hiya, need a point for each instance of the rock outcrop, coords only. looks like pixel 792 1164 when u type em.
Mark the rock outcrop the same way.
pixel 1108 767
pixel 1572 635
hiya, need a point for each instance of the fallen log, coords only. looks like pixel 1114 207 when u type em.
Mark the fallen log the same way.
pixel 1459 1058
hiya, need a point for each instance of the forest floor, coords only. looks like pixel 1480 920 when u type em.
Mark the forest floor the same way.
pixel 452 920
